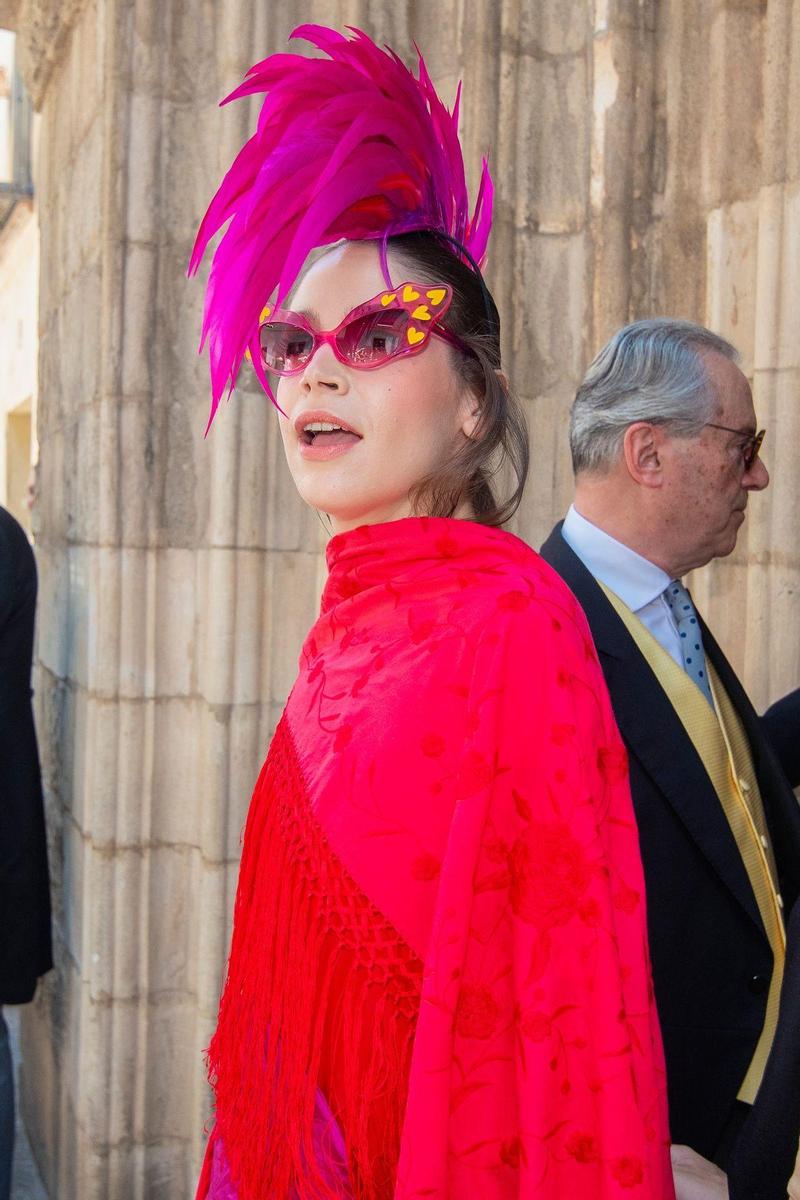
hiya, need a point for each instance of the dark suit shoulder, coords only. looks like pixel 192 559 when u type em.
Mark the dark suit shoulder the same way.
pixel 17 563
pixel 781 724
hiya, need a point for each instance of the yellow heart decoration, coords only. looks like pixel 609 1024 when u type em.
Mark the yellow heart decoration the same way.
pixel 409 293
pixel 421 313
pixel 248 356
pixel 436 296
pixel 388 299
pixel 414 335
pixel 266 310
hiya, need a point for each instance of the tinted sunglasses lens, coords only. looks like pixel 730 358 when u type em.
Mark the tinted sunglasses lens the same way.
pixel 373 338
pixel 285 348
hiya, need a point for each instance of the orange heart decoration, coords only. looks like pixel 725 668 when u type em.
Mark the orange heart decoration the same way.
pixel 415 336
pixel 409 293
pixel 388 298
pixel 436 296
pixel 421 313
pixel 248 356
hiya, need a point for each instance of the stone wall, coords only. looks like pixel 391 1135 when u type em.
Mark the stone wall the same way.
pixel 646 161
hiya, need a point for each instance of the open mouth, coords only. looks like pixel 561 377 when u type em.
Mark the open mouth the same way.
pixel 326 433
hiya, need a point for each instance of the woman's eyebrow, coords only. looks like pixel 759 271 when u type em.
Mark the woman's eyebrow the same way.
pixel 310 314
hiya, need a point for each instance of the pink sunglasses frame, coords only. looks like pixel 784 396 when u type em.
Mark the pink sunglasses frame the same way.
pixel 411 298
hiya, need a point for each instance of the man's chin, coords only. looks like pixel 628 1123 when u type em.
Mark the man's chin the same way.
pixel 727 544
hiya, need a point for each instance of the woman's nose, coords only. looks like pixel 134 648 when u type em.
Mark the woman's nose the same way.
pixel 324 370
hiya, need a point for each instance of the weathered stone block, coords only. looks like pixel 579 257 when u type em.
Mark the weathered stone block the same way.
pixel 139 284
pixel 175 624
pixel 549 490
pixel 546 29
pixel 778 311
pixel 178 787
pixel 54 599
pixel 174 874
pixel 731 275
pixel 546 176
pixel 82 174
pixel 293 589
pixel 143 219
pixel 290 524
pixel 135 471
pixel 74 882
pixel 231 589
pixel 247 748
pixel 732 106
pixel 546 334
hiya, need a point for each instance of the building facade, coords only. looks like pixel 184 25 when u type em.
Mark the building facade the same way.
pixel 647 161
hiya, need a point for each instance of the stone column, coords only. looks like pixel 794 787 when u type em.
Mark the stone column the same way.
pixel 177 579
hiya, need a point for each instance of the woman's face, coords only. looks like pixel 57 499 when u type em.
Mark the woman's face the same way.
pixel 403 421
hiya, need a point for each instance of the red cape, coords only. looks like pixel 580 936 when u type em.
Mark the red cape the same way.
pixel 440 924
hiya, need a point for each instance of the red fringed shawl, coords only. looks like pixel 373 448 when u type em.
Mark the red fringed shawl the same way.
pixel 440 921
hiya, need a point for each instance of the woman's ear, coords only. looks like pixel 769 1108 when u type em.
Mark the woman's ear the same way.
pixel 470 414
pixel 473 406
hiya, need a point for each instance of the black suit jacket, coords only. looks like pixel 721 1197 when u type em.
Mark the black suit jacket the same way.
pixel 782 723
pixel 766 1150
pixel 24 883
pixel 712 961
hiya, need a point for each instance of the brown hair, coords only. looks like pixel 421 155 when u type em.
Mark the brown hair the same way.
pixel 500 437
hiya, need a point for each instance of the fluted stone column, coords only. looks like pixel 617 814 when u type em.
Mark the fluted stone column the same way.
pixel 177 578
pixel 646 160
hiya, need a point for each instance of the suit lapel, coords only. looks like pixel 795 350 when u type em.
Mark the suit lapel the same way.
pixel 651 729
pixel 780 804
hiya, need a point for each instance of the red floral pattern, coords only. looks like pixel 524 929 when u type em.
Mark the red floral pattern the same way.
pixel 456 738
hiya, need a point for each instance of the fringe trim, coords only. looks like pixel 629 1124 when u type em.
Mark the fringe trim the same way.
pixel 316 976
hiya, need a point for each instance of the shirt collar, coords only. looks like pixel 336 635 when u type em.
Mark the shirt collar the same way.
pixel 636 580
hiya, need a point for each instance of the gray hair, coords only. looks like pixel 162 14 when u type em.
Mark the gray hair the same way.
pixel 649 371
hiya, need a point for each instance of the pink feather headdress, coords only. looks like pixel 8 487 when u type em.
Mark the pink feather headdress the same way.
pixel 350 146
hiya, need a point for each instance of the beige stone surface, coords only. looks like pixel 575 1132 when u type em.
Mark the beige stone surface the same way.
pixel 647 160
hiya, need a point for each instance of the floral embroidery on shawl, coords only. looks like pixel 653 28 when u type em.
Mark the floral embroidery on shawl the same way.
pixel 455 738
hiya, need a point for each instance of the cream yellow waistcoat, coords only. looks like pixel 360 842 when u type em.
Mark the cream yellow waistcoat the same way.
pixel 721 743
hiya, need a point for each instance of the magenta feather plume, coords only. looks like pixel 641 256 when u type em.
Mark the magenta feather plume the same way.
pixel 353 145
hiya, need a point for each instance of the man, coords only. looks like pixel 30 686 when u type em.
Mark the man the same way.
pixel 25 952
pixel 665 451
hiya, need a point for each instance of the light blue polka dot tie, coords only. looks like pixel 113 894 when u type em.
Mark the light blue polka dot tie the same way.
pixel 694 659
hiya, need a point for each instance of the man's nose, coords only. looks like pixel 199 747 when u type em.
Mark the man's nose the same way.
pixel 756 477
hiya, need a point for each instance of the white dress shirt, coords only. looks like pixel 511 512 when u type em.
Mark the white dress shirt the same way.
pixel 638 582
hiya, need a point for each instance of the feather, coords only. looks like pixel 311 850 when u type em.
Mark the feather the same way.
pixel 352 145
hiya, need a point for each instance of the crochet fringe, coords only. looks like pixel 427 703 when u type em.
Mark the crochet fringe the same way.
pixel 313 964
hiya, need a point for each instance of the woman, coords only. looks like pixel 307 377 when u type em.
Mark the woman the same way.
pixel 438 983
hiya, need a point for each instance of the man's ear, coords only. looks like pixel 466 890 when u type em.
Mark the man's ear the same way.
pixel 640 450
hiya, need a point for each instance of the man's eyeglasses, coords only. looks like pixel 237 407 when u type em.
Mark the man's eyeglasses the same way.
pixel 750 447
